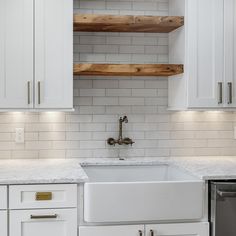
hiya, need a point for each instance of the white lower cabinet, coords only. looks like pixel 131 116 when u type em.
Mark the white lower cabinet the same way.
pixel 54 222
pixel 184 229
pixel 3 223
pixel 124 230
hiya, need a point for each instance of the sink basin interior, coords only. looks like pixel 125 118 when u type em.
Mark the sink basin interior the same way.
pixel 146 173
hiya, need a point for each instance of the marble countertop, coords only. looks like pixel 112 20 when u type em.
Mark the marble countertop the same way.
pixel 70 170
pixel 208 168
pixel 41 171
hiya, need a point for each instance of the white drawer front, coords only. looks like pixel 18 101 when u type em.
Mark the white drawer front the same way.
pixel 3 197
pixel 3 223
pixel 43 222
pixel 60 196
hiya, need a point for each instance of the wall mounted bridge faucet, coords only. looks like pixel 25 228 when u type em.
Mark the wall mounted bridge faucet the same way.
pixel 121 140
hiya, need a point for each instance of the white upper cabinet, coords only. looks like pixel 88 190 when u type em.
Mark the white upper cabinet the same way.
pixel 205 52
pixel 53 53
pixel 16 53
pixel 230 53
pixel 36 54
pixel 206 48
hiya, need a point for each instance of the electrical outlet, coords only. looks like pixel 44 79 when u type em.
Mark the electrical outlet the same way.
pixel 20 135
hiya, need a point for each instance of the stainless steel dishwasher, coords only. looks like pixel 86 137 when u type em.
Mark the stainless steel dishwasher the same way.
pixel 223 209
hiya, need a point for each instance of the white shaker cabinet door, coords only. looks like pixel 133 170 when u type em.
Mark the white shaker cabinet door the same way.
pixel 58 222
pixel 16 54
pixel 54 54
pixel 3 223
pixel 230 52
pixel 205 57
pixel 187 229
pixel 125 230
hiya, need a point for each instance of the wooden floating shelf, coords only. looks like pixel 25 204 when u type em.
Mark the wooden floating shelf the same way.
pixel 119 23
pixel 128 69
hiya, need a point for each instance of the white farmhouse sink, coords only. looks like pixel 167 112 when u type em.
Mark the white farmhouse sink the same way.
pixel 141 193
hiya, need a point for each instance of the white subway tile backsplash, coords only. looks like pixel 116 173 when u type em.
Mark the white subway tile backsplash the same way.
pixel 87 110
pixel 145 6
pixel 105 101
pixel 92 92
pixel 78 136
pixel 79 153
pixel 92 4
pixel 132 101
pixel 104 118
pixel 118 92
pixel 124 5
pixel 131 84
pixel 93 127
pixel 144 92
pixel 57 154
pixel 24 154
pixel 121 110
pixel 92 144
pixel 52 136
pixel 118 40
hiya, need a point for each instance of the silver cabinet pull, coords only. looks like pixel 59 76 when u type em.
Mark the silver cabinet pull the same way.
pixel 39 92
pixel 151 232
pixel 140 232
pixel 35 217
pixel 220 93
pixel 230 93
pixel 28 92
pixel 226 194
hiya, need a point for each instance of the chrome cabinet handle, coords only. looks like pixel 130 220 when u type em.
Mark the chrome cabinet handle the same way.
pixel 35 217
pixel 151 232
pixel 140 233
pixel 230 93
pixel 39 92
pixel 220 93
pixel 226 194
pixel 28 92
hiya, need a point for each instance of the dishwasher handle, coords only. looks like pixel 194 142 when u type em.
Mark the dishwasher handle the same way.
pixel 229 194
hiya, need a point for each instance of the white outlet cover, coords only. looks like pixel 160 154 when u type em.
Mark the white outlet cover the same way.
pixel 20 135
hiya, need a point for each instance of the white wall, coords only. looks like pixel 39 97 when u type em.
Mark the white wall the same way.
pixel 99 101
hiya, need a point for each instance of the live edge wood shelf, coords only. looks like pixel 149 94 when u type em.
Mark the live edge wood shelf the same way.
pixel 128 69
pixel 119 23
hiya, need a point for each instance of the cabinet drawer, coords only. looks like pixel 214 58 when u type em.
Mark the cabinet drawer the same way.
pixel 43 196
pixel 3 197
pixel 43 222
pixel 117 230
pixel 3 223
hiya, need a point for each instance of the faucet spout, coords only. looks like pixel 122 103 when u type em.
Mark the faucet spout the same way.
pixel 121 140
pixel 121 121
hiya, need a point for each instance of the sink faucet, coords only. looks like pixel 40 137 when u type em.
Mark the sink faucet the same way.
pixel 121 140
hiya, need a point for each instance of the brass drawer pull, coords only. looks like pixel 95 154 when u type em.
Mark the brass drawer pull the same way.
pixel 35 217
pixel 43 196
